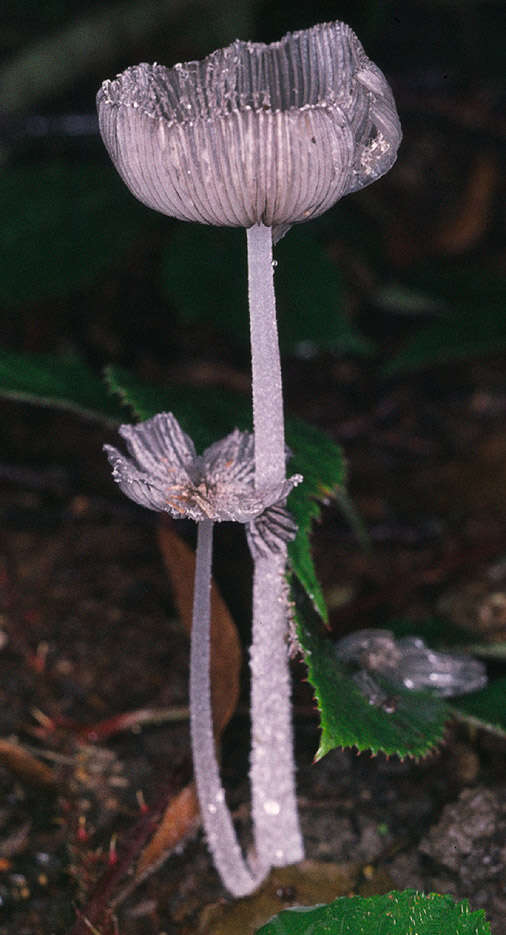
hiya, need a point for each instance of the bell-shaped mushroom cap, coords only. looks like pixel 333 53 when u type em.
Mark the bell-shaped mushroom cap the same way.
pixel 254 133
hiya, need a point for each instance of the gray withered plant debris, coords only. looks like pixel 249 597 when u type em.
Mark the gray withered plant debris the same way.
pixel 262 137
pixel 164 473
pixel 409 663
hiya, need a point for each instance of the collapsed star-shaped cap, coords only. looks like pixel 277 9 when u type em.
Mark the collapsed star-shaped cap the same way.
pixel 254 133
pixel 165 473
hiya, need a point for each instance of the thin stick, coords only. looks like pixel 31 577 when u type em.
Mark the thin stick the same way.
pixel 216 818
pixel 278 839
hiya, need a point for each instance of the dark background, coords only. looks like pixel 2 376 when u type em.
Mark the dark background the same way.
pixel 393 325
pixel 80 262
pixel 407 290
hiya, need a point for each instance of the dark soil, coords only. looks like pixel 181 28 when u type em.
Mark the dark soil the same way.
pixel 88 632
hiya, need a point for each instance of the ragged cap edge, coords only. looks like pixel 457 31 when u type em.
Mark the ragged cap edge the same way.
pixel 253 133
pixel 305 69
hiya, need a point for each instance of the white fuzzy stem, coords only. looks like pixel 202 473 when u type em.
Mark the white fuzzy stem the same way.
pixel 216 817
pixel 278 839
pixel 268 419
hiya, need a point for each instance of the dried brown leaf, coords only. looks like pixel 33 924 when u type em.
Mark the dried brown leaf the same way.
pixel 180 819
pixel 24 765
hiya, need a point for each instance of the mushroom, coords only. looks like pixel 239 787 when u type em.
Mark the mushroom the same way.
pixel 262 137
pixel 163 472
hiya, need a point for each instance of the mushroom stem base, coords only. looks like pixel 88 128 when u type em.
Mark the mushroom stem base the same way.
pixel 278 838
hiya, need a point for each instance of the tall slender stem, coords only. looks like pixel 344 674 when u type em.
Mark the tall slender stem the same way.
pixel 268 418
pixel 278 839
pixel 216 818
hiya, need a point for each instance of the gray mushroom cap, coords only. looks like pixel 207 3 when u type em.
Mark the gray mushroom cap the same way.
pixel 254 133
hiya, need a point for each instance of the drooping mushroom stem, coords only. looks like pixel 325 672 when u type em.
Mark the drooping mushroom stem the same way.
pixel 278 839
pixel 216 818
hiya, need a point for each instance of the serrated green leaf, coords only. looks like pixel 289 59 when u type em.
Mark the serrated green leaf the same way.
pixel 204 276
pixel 63 382
pixel 323 467
pixel 406 913
pixel 347 719
pixel 208 413
pixel 61 226
pixel 486 708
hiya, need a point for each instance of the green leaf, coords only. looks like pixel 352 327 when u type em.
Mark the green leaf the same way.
pixel 204 275
pixel 448 340
pixel 347 719
pixel 63 382
pixel 204 413
pixel 310 295
pixel 486 709
pixel 472 322
pixel 61 226
pixel 406 913
pixel 323 467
